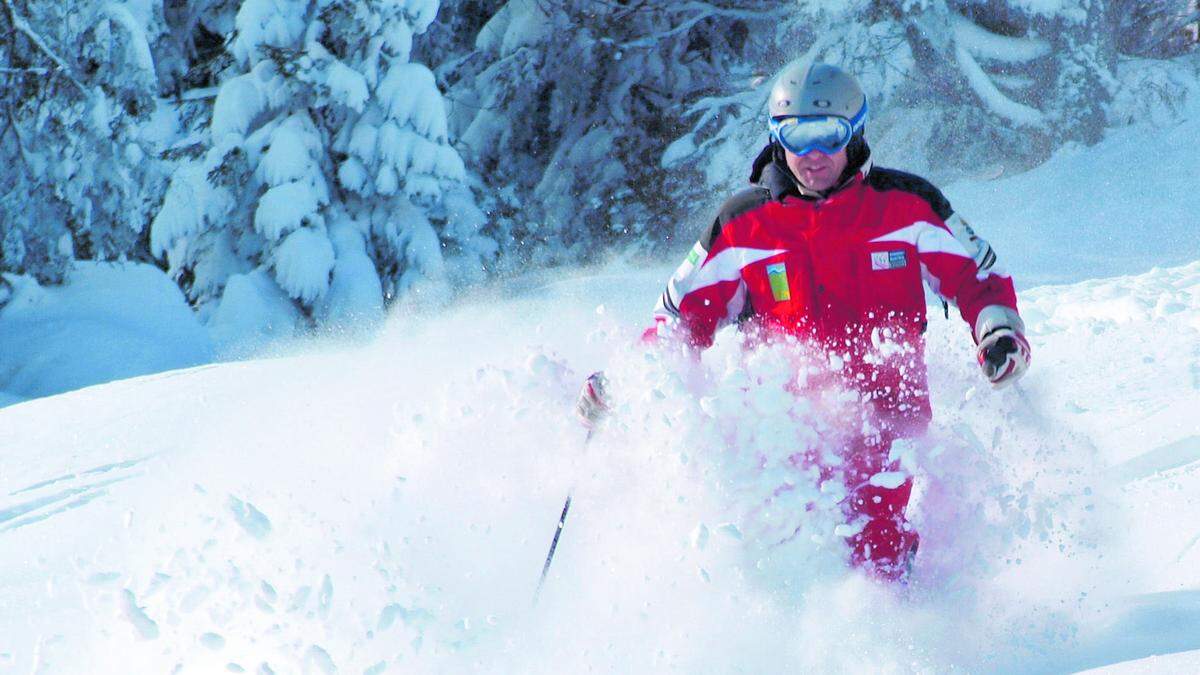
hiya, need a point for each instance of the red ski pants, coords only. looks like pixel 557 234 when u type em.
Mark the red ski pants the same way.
pixel 886 541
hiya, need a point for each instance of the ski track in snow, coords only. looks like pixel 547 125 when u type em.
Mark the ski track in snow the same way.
pixel 71 491
pixel 1177 455
pixel 88 472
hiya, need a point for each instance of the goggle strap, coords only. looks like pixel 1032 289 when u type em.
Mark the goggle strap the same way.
pixel 860 119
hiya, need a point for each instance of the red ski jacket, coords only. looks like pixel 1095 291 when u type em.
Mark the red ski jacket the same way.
pixel 843 271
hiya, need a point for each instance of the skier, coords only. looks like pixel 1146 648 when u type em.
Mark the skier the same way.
pixel 825 248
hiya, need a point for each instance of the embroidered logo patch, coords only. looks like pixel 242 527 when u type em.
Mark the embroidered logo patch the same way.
pixel 777 275
pixel 888 260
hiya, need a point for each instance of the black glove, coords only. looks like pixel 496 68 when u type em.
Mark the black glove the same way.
pixel 1004 355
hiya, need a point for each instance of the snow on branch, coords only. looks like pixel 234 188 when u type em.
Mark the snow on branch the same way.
pixel 22 25
pixel 708 9
pixel 992 97
pixel 24 71
pixel 712 106
pixel 121 15
pixel 199 94
pixel 988 45
pixel 303 263
pixel 1191 23
pixel 703 11
pixel 182 213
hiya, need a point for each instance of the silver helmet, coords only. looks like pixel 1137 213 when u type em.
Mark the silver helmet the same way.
pixel 804 90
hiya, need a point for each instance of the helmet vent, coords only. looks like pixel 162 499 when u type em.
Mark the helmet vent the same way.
pixel 822 103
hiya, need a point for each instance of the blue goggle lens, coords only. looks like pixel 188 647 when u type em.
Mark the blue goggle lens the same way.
pixel 802 135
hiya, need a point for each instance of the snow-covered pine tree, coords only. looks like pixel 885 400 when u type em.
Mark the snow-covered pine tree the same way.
pixel 403 184
pixel 1156 28
pixel 958 87
pixel 82 125
pixel 328 171
pixel 260 189
pixel 309 153
pixel 194 55
pixel 563 108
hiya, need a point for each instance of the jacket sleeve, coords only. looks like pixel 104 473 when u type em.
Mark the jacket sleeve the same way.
pixel 666 312
pixel 705 293
pixel 977 247
pixel 962 270
pixel 957 264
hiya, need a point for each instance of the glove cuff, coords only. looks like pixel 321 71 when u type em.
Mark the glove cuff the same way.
pixel 997 316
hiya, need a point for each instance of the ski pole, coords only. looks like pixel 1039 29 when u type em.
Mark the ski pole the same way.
pixel 562 520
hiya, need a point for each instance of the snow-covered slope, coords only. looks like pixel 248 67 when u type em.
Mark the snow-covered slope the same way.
pixel 1121 207
pixel 390 506
pixel 109 321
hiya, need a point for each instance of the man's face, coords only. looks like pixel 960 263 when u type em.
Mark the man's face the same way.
pixel 816 170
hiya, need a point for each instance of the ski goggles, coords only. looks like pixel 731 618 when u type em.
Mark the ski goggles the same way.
pixel 826 133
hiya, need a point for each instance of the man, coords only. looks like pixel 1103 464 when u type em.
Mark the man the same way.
pixel 828 249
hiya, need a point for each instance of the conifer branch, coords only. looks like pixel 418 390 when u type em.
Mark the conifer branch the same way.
pixel 22 25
